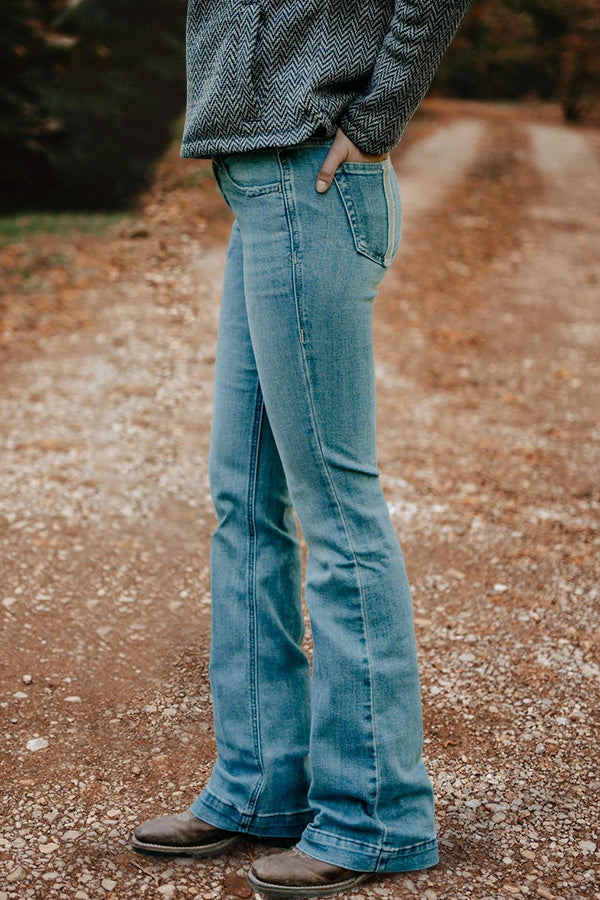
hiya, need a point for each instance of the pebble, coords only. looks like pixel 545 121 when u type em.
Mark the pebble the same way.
pixel 27 679
pixel 8 602
pixel 545 893
pixel 15 875
pixel 39 743
pixel 500 588
pixel 587 846
pixel 73 699
pixel 108 884
pixel 49 848
pixel 167 890
pixel 20 695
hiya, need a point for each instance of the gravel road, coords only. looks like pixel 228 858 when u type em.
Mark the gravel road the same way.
pixel 487 336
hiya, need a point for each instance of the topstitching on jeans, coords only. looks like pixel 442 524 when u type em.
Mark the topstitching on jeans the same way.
pixel 364 241
pixel 391 210
pixel 252 599
pixel 289 200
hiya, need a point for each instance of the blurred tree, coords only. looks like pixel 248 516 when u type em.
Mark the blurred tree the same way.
pixel 580 82
pixel 119 99
pixel 92 91
pixel 505 50
pixel 509 49
pixel 31 53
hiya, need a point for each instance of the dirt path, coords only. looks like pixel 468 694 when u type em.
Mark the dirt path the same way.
pixel 487 336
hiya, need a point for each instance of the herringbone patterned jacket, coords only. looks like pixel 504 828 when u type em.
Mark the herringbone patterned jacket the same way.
pixel 269 73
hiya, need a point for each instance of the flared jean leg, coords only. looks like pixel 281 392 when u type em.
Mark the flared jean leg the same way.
pixel 312 265
pixel 259 675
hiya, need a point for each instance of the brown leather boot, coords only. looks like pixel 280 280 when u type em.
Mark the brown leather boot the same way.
pixel 296 874
pixel 183 834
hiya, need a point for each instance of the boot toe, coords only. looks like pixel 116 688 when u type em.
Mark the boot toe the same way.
pixel 296 874
pixel 182 834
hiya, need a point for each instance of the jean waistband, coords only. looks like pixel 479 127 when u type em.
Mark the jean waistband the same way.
pixel 266 151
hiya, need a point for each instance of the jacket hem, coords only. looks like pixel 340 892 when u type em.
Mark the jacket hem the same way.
pixel 290 135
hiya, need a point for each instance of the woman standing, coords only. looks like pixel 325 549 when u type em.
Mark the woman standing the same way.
pixel 298 104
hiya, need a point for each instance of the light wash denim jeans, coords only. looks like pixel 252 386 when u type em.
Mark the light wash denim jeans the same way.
pixel 334 760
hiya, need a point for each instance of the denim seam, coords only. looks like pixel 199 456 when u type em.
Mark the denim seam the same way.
pixel 286 181
pixel 369 848
pixel 278 815
pixel 329 480
pixel 252 610
pixel 391 211
pixel 360 243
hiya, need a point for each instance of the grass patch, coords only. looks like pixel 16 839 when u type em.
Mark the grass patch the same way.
pixel 22 225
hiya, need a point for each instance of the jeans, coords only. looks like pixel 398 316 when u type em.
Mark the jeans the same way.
pixel 332 759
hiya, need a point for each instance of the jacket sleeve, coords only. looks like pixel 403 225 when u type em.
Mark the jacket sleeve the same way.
pixel 419 34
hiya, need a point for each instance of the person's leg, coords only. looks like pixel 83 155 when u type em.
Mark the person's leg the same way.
pixel 312 266
pixel 258 673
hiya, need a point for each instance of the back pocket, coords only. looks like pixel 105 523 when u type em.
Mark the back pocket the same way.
pixel 370 195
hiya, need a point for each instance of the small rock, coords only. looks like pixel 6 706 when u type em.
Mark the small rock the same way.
pixel 27 679
pixel 73 699
pixel 7 602
pixel 49 848
pixel 500 588
pixel 138 230
pixel 15 875
pixel 20 695
pixel 587 846
pixel 70 835
pixel 81 895
pixel 39 743
pixel 108 884
pixel 169 712
pixel 236 885
pixel 167 890
pixel 113 813
pixel 545 893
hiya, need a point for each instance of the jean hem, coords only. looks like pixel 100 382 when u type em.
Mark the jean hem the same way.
pixel 354 855
pixel 221 814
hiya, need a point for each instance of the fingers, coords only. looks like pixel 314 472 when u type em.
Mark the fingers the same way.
pixel 337 153
pixel 341 149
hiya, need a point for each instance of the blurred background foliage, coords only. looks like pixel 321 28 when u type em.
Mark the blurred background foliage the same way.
pixel 91 91
pixel 527 49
